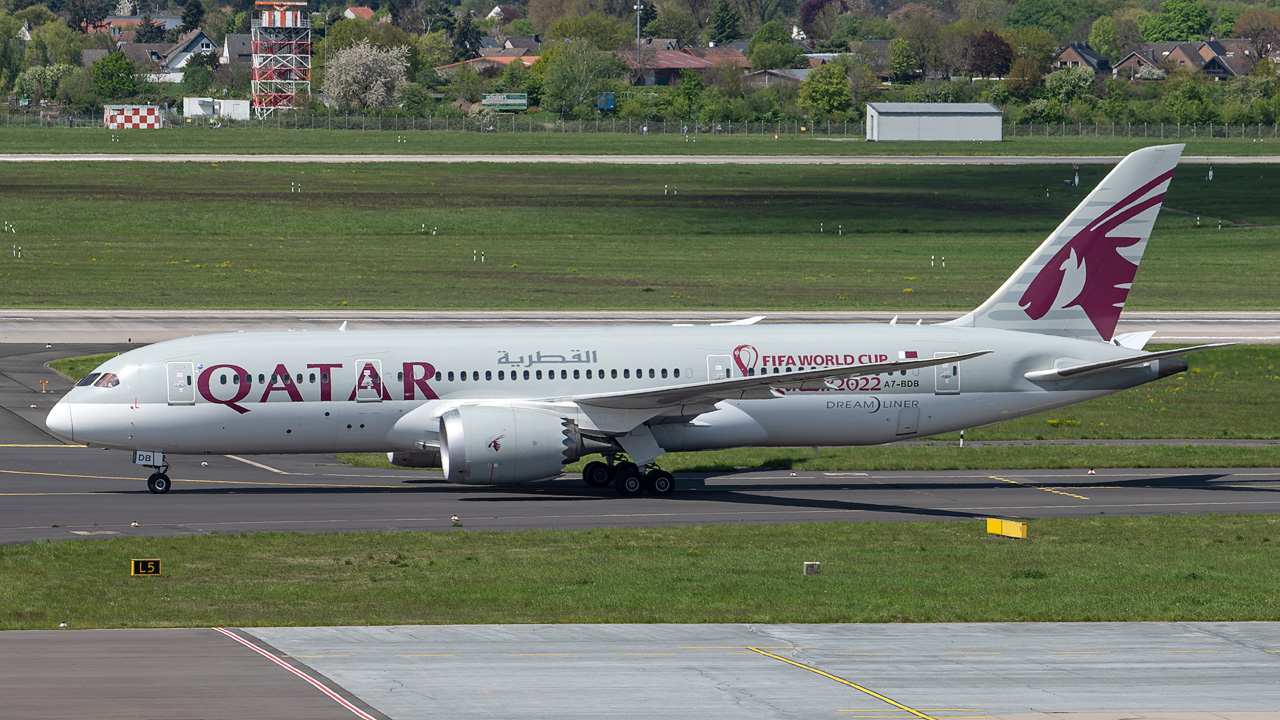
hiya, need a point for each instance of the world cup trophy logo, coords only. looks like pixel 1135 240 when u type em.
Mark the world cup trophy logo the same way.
pixel 745 356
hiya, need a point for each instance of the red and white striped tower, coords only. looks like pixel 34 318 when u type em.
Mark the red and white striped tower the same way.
pixel 281 56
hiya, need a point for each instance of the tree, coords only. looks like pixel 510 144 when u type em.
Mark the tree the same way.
pixel 988 55
pixel 84 14
pixel 826 91
pixel 725 21
pixel 1034 44
pixel 844 31
pixel 576 74
pixel 192 16
pixel 196 79
pixel 674 20
pixel 1056 16
pixel 115 77
pixel 1024 78
pixel 606 33
pixel 770 48
pixel 364 76
pixel 433 49
pixel 466 39
pixel 921 31
pixel 1177 21
pixel 1068 84
pixel 901 60
pixel 1104 38
pixel 148 31
pixel 207 60
pixel 52 44
pixel 41 82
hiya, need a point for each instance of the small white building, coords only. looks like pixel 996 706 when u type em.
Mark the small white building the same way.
pixel 934 121
pixel 198 108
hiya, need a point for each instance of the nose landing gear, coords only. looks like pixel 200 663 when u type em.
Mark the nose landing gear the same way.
pixel 159 482
pixel 628 478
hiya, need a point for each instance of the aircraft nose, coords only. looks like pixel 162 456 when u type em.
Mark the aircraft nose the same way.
pixel 59 421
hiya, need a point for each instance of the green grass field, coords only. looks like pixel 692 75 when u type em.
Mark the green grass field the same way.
pixel 1112 569
pixel 594 237
pixel 270 140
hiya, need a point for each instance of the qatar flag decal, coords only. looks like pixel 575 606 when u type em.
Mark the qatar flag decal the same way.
pixel 908 355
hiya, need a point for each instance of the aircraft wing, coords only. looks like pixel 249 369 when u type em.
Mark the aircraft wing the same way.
pixel 1088 368
pixel 755 386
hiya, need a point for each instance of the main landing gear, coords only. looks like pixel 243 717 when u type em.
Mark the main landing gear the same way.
pixel 628 478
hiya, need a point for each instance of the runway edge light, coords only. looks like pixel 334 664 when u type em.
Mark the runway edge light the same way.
pixel 1007 528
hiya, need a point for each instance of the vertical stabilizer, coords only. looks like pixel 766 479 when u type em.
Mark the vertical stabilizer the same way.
pixel 1077 281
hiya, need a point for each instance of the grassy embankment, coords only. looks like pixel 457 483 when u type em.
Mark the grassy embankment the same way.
pixel 1183 569
pixel 586 237
pixel 1218 398
pixel 435 142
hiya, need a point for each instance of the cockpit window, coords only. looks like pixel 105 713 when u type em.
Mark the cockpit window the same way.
pixel 108 380
pixel 88 380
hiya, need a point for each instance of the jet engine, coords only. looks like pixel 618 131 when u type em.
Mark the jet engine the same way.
pixel 426 459
pixel 499 444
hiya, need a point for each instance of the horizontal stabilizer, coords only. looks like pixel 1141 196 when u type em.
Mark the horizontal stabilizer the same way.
pixel 1134 340
pixel 714 391
pixel 1088 368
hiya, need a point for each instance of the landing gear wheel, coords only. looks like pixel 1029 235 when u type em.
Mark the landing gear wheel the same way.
pixel 628 480
pixel 659 482
pixel 159 483
pixel 597 474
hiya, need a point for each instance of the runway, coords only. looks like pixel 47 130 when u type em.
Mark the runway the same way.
pixel 578 159
pixel 995 671
pixel 148 326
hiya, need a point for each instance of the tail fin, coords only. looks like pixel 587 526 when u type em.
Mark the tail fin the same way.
pixel 1077 281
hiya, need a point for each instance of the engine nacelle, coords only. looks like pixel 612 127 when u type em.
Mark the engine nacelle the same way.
pixel 497 444
pixel 422 459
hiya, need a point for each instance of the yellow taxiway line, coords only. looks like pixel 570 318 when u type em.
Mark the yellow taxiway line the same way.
pixel 853 685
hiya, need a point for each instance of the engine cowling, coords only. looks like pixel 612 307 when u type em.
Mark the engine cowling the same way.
pixel 497 444
pixel 422 459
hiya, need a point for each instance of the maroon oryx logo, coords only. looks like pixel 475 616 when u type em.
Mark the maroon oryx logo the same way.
pixel 1104 274
pixel 745 356
pixel 494 445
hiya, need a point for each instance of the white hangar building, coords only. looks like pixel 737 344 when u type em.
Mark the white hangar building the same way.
pixel 934 121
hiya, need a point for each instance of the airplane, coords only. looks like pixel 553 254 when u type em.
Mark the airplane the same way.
pixel 512 405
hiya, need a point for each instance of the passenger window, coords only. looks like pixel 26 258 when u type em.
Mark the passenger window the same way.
pixel 437 376
pixel 651 374
pixel 614 373
pixel 588 375
pixel 475 375
pixel 575 374
pixel 312 378
pixel 108 380
pixel 526 374
pixel 400 376
pixel 222 379
pixel 450 376
pixel 664 372
pixel 261 378
pixel 502 375
pixel 627 373
pixel 564 375
pixel 676 372
pixel 235 379
pixel 324 377
pixel 88 379
pixel 539 374
pixel 488 374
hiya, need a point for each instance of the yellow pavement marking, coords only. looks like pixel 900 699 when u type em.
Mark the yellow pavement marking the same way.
pixel 1080 652
pixel 971 653
pixel 537 654
pixel 648 653
pixel 855 686
pixel 426 656
pixel 1037 487
pixel 744 647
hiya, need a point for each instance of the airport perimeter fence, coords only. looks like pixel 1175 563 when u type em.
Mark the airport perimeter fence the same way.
pixel 531 124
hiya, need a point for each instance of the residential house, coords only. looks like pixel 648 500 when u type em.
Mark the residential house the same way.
pixel 164 61
pixel 486 66
pixel 237 48
pixel 1227 57
pixel 663 67
pixel 767 78
pixel 358 13
pixel 720 54
pixel 117 24
pixel 1080 54
pixel 89 57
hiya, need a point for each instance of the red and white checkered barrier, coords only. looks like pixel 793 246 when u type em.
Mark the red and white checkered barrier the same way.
pixel 132 117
